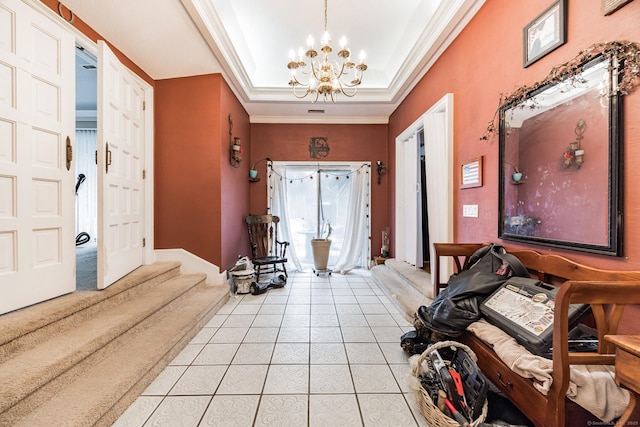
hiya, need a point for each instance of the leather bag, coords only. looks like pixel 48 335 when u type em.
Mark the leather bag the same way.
pixel 458 305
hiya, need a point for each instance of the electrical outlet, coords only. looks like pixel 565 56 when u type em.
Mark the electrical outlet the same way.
pixel 470 211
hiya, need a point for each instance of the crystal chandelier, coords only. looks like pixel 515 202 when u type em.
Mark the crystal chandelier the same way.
pixel 327 78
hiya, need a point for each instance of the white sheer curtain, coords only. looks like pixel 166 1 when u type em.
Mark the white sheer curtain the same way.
pixel 278 206
pixel 438 125
pixel 438 183
pixel 294 195
pixel 87 195
pixel 352 253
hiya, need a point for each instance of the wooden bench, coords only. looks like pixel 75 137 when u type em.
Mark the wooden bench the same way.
pixel 609 292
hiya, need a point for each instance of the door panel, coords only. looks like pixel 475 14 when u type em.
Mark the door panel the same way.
pixel 37 93
pixel 120 164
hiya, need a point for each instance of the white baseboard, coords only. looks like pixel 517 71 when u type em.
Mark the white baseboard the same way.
pixel 191 263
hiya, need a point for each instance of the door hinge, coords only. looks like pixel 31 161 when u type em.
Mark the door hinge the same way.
pixel 144 105
pixel 144 174
pixel 144 242
pixel 69 153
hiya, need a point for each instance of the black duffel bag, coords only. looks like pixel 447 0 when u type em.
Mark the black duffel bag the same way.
pixel 458 305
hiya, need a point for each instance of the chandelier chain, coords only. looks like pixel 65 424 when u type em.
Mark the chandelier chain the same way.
pixel 325 16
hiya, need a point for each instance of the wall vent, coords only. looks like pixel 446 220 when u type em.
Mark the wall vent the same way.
pixel 315 111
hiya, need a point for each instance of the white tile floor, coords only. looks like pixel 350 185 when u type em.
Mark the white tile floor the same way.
pixel 322 351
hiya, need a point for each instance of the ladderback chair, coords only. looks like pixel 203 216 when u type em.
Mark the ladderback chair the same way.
pixel 268 253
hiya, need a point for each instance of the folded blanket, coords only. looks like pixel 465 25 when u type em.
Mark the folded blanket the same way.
pixel 591 386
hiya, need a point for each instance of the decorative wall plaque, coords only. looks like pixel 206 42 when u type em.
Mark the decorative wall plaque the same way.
pixel 318 147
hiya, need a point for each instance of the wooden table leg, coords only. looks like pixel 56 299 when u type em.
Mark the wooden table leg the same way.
pixel 631 416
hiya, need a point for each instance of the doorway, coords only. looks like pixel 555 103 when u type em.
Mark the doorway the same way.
pixel 424 161
pixel 315 199
pixel 86 170
pixel 424 211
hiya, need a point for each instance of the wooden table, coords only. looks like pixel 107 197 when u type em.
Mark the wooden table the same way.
pixel 628 374
pixel 380 260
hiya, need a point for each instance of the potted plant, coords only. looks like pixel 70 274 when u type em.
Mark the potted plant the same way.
pixel 516 175
pixel 253 172
pixel 320 248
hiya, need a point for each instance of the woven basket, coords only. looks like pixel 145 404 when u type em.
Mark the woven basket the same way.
pixel 434 416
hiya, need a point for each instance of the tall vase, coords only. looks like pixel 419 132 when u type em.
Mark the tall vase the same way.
pixel 385 242
pixel 320 249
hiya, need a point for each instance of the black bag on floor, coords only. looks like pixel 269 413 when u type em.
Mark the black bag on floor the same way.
pixel 458 305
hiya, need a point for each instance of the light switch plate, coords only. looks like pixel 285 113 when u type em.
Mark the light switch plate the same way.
pixel 470 211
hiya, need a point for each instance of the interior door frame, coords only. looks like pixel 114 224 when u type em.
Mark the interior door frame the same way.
pixel 148 254
pixel 325 164
pixel 442 202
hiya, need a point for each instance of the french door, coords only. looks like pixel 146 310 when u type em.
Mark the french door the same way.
pixel 120 157
pixel 319 200
pixel 37 129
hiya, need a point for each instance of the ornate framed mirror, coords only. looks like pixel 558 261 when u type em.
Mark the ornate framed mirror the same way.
pixel 560 171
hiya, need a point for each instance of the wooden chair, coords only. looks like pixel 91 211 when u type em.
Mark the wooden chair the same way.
pixel 268 253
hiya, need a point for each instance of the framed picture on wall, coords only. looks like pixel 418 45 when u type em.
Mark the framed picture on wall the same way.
pixel 472 173
pixel 610 6
pixel 546 32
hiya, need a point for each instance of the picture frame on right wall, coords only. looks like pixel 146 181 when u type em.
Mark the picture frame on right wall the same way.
pixel 610 6
pixel 545 33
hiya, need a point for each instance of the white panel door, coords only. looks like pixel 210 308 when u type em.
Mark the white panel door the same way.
pixel 408 241
pixel 120 165
pixel 37 199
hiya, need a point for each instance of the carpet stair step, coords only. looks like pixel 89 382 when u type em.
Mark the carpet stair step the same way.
pixel 26 328
pixel 128 371
pixel 409 287
pixel 34 368
pixel 97 366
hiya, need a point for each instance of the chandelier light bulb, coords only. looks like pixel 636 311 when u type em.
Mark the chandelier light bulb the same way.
pixel 363 56
pixel 310 41
pixel 325 38
pixel 343 42
pixel 292 55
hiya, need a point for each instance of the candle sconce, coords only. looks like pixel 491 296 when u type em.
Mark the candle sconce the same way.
pixel 574 155
pixel 382 169
pixel 235 150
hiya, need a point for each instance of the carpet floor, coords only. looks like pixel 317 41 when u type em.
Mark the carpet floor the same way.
pixel 86 267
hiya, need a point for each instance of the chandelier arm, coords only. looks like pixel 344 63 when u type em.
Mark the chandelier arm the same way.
pixel 313 66
pixel 346 93
pixel 338 75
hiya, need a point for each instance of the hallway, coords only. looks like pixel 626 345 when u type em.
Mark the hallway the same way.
pixel 321 351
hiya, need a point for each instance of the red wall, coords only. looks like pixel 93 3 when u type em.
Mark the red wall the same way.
pixel 94 36
pixel 486 61
pixel 199 196
pixel 366 143
pixel 234 190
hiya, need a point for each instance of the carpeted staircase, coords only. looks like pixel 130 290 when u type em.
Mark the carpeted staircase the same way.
pixel 83 358
pixel 409 287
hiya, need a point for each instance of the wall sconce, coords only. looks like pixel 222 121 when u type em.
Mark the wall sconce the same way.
pixel 253 172
pixel 235 149
pixel 574 155
pixel 382 169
